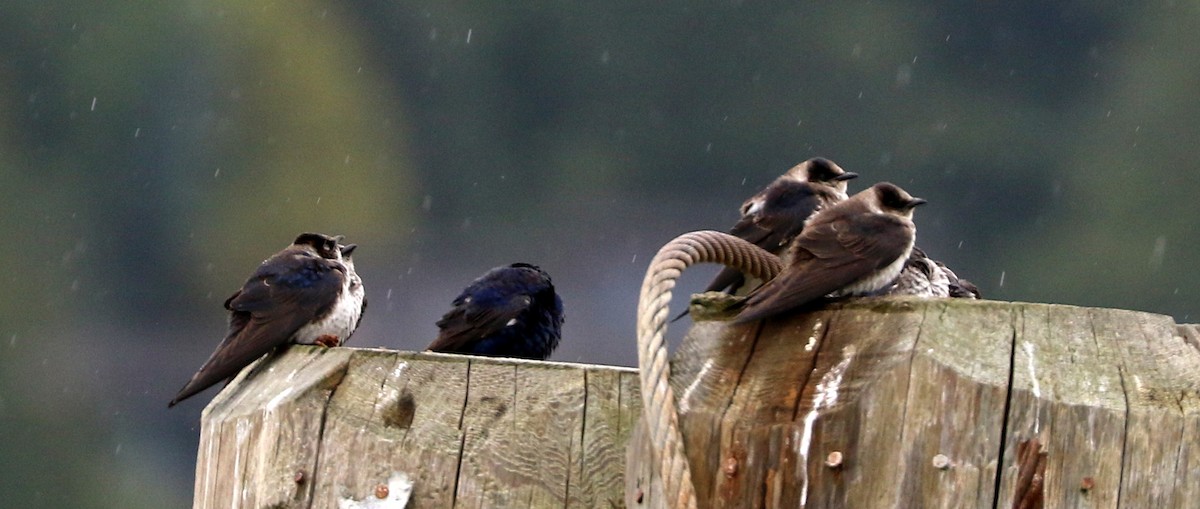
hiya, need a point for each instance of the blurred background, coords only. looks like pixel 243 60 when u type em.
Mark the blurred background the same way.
pixel 153 153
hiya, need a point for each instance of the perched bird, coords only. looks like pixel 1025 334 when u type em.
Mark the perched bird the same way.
pixel 920 277
pixel 923 276
pixel 774 216
pixel 960 288
pixel 508 312
pixel 854 247
pixel 307 293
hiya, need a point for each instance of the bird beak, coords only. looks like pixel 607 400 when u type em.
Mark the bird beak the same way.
pixel 348 248
pixel 846 176
pixel 915 202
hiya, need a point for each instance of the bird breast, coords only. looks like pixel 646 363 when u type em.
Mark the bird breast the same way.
pixel 876 280
pixel 342 319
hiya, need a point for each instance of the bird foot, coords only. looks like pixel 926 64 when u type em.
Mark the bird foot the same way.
pixel 328 341
pixel 713 306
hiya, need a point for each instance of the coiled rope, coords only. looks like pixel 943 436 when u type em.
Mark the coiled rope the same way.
pixel 658 400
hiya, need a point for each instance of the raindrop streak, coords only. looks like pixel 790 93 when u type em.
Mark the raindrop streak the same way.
pixel 389 294
pixel 1160 249
pixel 13 340
pixel 217 173
pixel 1002 279
pixel 469 35
pixel 94 105
pixel 634 260
pixel 137 132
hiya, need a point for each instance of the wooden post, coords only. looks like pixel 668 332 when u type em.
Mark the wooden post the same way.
pixel 350 428
pixel 869 404
pixel 886 403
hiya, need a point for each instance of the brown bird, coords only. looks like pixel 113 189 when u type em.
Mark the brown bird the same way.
pixel 854 247
pixel 307 293
pixel 923 276
pixel 774 216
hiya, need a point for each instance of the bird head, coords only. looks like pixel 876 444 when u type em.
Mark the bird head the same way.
pixel 819 170
pixel 324 245
pixel 893 200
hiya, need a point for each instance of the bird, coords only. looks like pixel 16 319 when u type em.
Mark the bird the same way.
pixel 854 247
pixel 923 276
pixel 960 288
pixel 510 311
pixel 775 215
pixel 308 293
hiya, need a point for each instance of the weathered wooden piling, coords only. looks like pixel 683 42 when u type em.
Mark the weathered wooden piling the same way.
pixel 885 403
pixel 874 403
pixel 344 427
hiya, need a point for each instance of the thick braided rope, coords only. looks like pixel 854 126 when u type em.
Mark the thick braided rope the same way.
pixel 658 400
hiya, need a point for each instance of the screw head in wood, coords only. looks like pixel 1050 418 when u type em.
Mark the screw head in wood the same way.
pixel 834 460
pixel 381 491
pixel 941 462
pixel 730 467
pixel 1087 484
pixel 299 477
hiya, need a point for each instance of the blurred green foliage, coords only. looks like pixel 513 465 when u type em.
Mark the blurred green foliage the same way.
pixel 152 153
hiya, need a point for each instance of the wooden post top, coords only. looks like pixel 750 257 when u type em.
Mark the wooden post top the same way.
pixel 358 428
pixel 886 402
pixel 868 404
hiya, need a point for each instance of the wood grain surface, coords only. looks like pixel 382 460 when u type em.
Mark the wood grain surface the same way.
pixel 898 403
pixel 315 427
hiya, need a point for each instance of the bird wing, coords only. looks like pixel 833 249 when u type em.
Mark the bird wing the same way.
pixel 286 292
pixel 772 226
pixel 829 256
pixel 477 315
pixel 747 228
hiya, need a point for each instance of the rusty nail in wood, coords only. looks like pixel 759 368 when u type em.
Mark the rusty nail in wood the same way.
pixel 834 460
pixel 299 478
pixel 1087 484
pixel 639 496
pixel 381 491
pixel 941 462
pixel 731 467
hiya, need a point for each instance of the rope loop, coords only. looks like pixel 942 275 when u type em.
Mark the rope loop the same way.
pixel 658 400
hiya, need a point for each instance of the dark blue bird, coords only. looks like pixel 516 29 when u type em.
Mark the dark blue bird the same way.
pixel 508 312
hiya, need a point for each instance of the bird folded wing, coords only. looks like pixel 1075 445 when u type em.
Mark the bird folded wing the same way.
pixel 476 319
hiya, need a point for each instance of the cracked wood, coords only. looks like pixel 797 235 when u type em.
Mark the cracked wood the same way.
pixel 314 426
pixel 891 384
